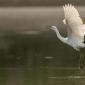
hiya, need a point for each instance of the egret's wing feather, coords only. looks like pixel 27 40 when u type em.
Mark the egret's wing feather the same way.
pixel 83 29
pixel 73 21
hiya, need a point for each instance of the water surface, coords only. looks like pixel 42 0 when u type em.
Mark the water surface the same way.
pixel 31 54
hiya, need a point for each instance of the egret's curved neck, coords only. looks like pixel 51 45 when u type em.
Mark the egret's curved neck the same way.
pixel 64 40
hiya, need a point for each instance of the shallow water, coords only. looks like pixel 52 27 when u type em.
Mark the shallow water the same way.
pixel 42 76
pixel 31 54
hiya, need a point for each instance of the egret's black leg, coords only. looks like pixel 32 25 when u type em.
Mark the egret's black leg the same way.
pixel 81 61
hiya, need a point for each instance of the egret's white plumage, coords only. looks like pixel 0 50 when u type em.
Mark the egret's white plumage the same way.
pixel 75 30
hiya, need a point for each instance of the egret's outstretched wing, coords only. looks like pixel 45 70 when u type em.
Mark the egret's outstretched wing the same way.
pixel 74 22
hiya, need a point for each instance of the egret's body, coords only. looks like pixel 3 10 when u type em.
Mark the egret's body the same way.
pixel 75 30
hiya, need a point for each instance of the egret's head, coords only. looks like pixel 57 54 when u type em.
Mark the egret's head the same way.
pixel 53 28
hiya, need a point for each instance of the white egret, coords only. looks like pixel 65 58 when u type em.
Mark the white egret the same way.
pixel 75 30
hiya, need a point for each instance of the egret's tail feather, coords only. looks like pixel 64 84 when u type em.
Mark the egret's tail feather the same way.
pixel 82 46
